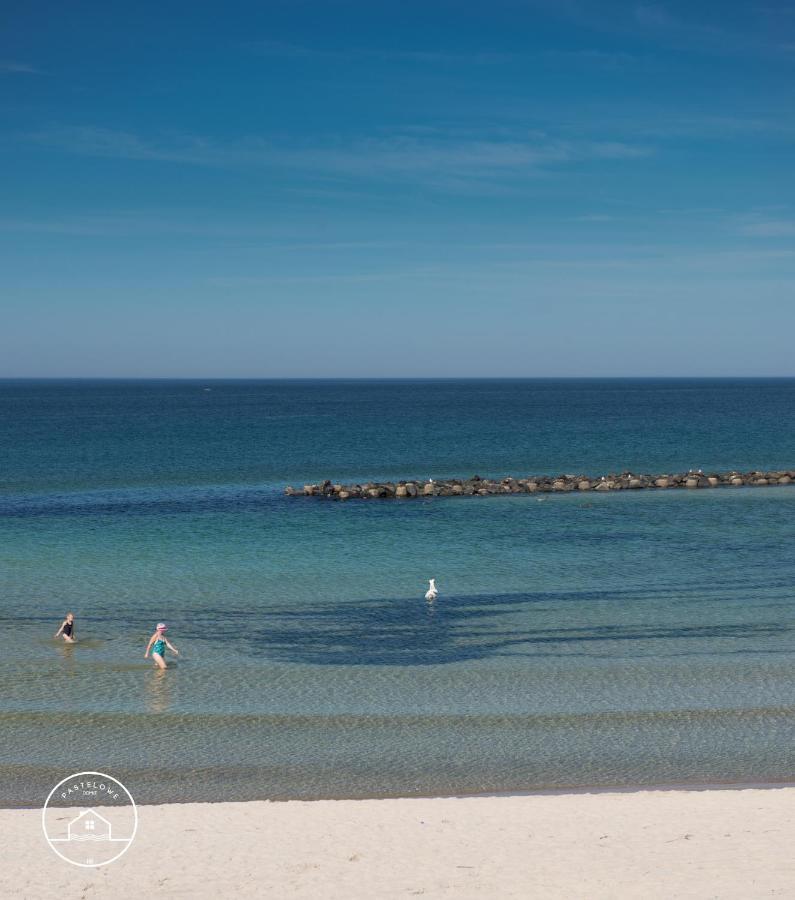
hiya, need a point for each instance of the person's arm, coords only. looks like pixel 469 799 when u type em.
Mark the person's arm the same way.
pixel 61 628
pixel 171 647
pixel 149 645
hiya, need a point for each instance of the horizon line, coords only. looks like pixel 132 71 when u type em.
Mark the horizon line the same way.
pixel 305 378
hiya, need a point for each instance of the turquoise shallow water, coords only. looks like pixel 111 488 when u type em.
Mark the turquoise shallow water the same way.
pixel 578 640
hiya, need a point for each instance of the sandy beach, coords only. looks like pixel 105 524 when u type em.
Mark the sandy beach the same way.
pixel 668 843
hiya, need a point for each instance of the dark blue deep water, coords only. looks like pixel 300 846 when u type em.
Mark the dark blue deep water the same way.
pixel 578 640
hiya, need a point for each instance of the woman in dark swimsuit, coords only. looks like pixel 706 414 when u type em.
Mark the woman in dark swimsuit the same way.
pixel 66 631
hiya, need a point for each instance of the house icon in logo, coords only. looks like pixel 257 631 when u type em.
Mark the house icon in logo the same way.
pixel 89 836
pixel 89 826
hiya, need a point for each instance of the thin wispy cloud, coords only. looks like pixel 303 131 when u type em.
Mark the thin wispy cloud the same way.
pixel 288 50
pixel 691 32
pixel 691 28
pixel 190 223
pixel 633 124
pixel 96 141
pixel 12 67
pixel 653 15
pixel 721 125
pixel 133 223
pixel 396 157
pixel 769 228
pixel 280 48
pixel 592 57
pixel 586 56
pixel 583 264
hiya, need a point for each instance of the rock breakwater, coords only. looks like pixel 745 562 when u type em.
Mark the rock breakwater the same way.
pixel 479 487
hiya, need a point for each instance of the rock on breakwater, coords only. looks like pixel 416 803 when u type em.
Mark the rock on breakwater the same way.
pixel 477 486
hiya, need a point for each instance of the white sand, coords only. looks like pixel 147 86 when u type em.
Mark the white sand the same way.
pixel 648 844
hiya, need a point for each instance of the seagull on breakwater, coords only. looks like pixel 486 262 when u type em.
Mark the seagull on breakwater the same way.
pixel 431 593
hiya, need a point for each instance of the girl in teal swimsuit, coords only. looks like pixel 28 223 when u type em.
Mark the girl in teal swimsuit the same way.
pixel 157 644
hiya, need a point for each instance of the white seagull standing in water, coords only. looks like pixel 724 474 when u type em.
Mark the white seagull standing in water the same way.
pixel 431 593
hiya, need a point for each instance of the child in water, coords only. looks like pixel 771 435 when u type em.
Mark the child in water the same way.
pixel 157 644
pixel 67 629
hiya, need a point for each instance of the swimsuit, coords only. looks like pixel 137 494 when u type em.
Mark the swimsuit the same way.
pixel 159 647
pixel 67 629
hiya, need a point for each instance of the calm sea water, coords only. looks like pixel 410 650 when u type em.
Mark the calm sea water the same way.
pixel 578 640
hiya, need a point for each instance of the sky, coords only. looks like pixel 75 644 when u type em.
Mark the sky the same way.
pixel 382 189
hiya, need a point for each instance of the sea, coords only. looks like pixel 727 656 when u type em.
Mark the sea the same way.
pixel 579 641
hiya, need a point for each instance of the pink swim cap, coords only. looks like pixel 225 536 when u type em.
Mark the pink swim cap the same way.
pixel 161 626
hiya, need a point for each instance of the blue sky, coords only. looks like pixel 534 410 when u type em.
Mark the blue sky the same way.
pixel 397 189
